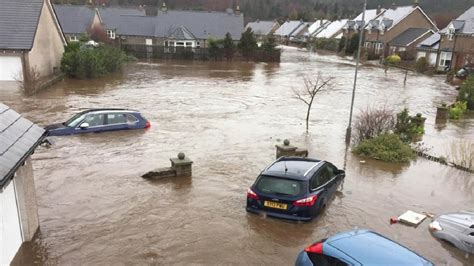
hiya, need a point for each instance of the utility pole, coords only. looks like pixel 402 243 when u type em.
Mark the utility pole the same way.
pixel 361 34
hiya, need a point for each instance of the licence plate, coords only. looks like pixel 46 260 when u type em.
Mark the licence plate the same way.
pixel 275 205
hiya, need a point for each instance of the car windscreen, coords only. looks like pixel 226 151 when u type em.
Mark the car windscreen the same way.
pixel 280 186
pixel 75 120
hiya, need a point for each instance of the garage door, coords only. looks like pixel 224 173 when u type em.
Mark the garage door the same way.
pixel 10 234
pixel 10 67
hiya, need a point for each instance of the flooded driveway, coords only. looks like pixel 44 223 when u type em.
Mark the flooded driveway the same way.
pixel 94 207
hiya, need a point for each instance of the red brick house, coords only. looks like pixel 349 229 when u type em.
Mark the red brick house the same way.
pixel 456 47
pixel 392 23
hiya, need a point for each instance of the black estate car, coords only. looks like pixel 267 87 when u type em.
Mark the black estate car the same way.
pixel 294 188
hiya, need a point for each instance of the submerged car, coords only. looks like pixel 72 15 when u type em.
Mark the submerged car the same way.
pixel 358 247
pixel 294 188
pixel 455 228
pixel 99 120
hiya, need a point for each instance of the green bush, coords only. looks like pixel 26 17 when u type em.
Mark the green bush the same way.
pixel 86 63
pixel 421 65
pixel 386 147
pixel 457 110
pixel 393 59
pixel 327 44
pixel 406 128
pixel 353 44
pixel 466 93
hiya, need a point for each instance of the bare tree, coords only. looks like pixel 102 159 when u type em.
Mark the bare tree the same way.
pixel 29 80
pixel 312 86
pixel 372 122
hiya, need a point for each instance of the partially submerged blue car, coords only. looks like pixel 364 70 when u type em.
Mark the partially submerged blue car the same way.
pixel 359 247
pixel 99 120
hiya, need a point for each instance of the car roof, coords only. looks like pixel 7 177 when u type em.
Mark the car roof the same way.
pixel 370 248
pixel 293 167
pixel 463 219
pixel 98 110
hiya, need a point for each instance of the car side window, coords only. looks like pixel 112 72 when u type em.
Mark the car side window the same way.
pixel 115 119
pixel 319 178
pixel 319 259
pixel 94 120
pixel 131 119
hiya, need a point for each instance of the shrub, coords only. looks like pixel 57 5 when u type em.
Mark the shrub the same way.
pixel 421 65
pixel 386 147
pixel 393 59
pixel 86 63
pixel 466 93
pixel 372 122
pixel 406 128
pixel 461 152
pixel 341 44
pixel 269 44
pixel 353 44
pixel 457 110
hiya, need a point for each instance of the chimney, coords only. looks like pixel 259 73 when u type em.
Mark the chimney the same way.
pixel 415 3
pixel 379 10
pixel 163 7
pixel 237 10
pixel 394 6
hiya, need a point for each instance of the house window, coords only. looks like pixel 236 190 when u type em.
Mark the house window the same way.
pixel 73 38
pixel 402 49
pixel 180 44
pixel 198 44
pixel 445 59
pixel 367 45
pixel 378 48
pixel 189 44
pixel 148 41
pixel 111 34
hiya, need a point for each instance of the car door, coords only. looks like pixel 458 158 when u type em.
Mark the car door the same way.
pixel 115 121
pixel 318 186
pixel 95 123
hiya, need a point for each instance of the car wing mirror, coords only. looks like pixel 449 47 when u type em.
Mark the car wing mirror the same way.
pixel 84 125
pixel 341 172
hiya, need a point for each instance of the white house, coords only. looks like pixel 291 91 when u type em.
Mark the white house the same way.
pixel 18 210
pixel 30 37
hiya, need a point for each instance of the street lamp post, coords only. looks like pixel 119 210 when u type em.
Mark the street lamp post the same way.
pixel 361 34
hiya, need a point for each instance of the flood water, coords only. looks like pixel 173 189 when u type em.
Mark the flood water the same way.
pixel 94 207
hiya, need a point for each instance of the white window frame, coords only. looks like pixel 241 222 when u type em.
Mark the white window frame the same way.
pixel 378 47
pixel 402 49
pixel 444 57
pixel 111 33
pixel 73 38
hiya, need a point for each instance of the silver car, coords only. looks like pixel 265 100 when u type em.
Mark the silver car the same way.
pixel 455 228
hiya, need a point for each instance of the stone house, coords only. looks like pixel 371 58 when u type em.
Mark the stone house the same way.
pixel 262 29
pixel 30 39
pixel 390 24
pixel 456 45
pixel 406 43
pixel 77 21
pixel 429 49
pixel 18 209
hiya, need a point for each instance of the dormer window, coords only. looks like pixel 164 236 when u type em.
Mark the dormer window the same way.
pixel 451 32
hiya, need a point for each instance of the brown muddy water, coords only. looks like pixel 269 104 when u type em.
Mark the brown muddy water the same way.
pixel 94 207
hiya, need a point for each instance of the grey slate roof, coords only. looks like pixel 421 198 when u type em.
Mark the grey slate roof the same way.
pixel 18 23
pixel 201 24
pixel 463 24
pixel 430 43
pixel 261 27
pixel 288 27
pixel 74 19
pixel 181 33
pixel 19 137
pixel 408 36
